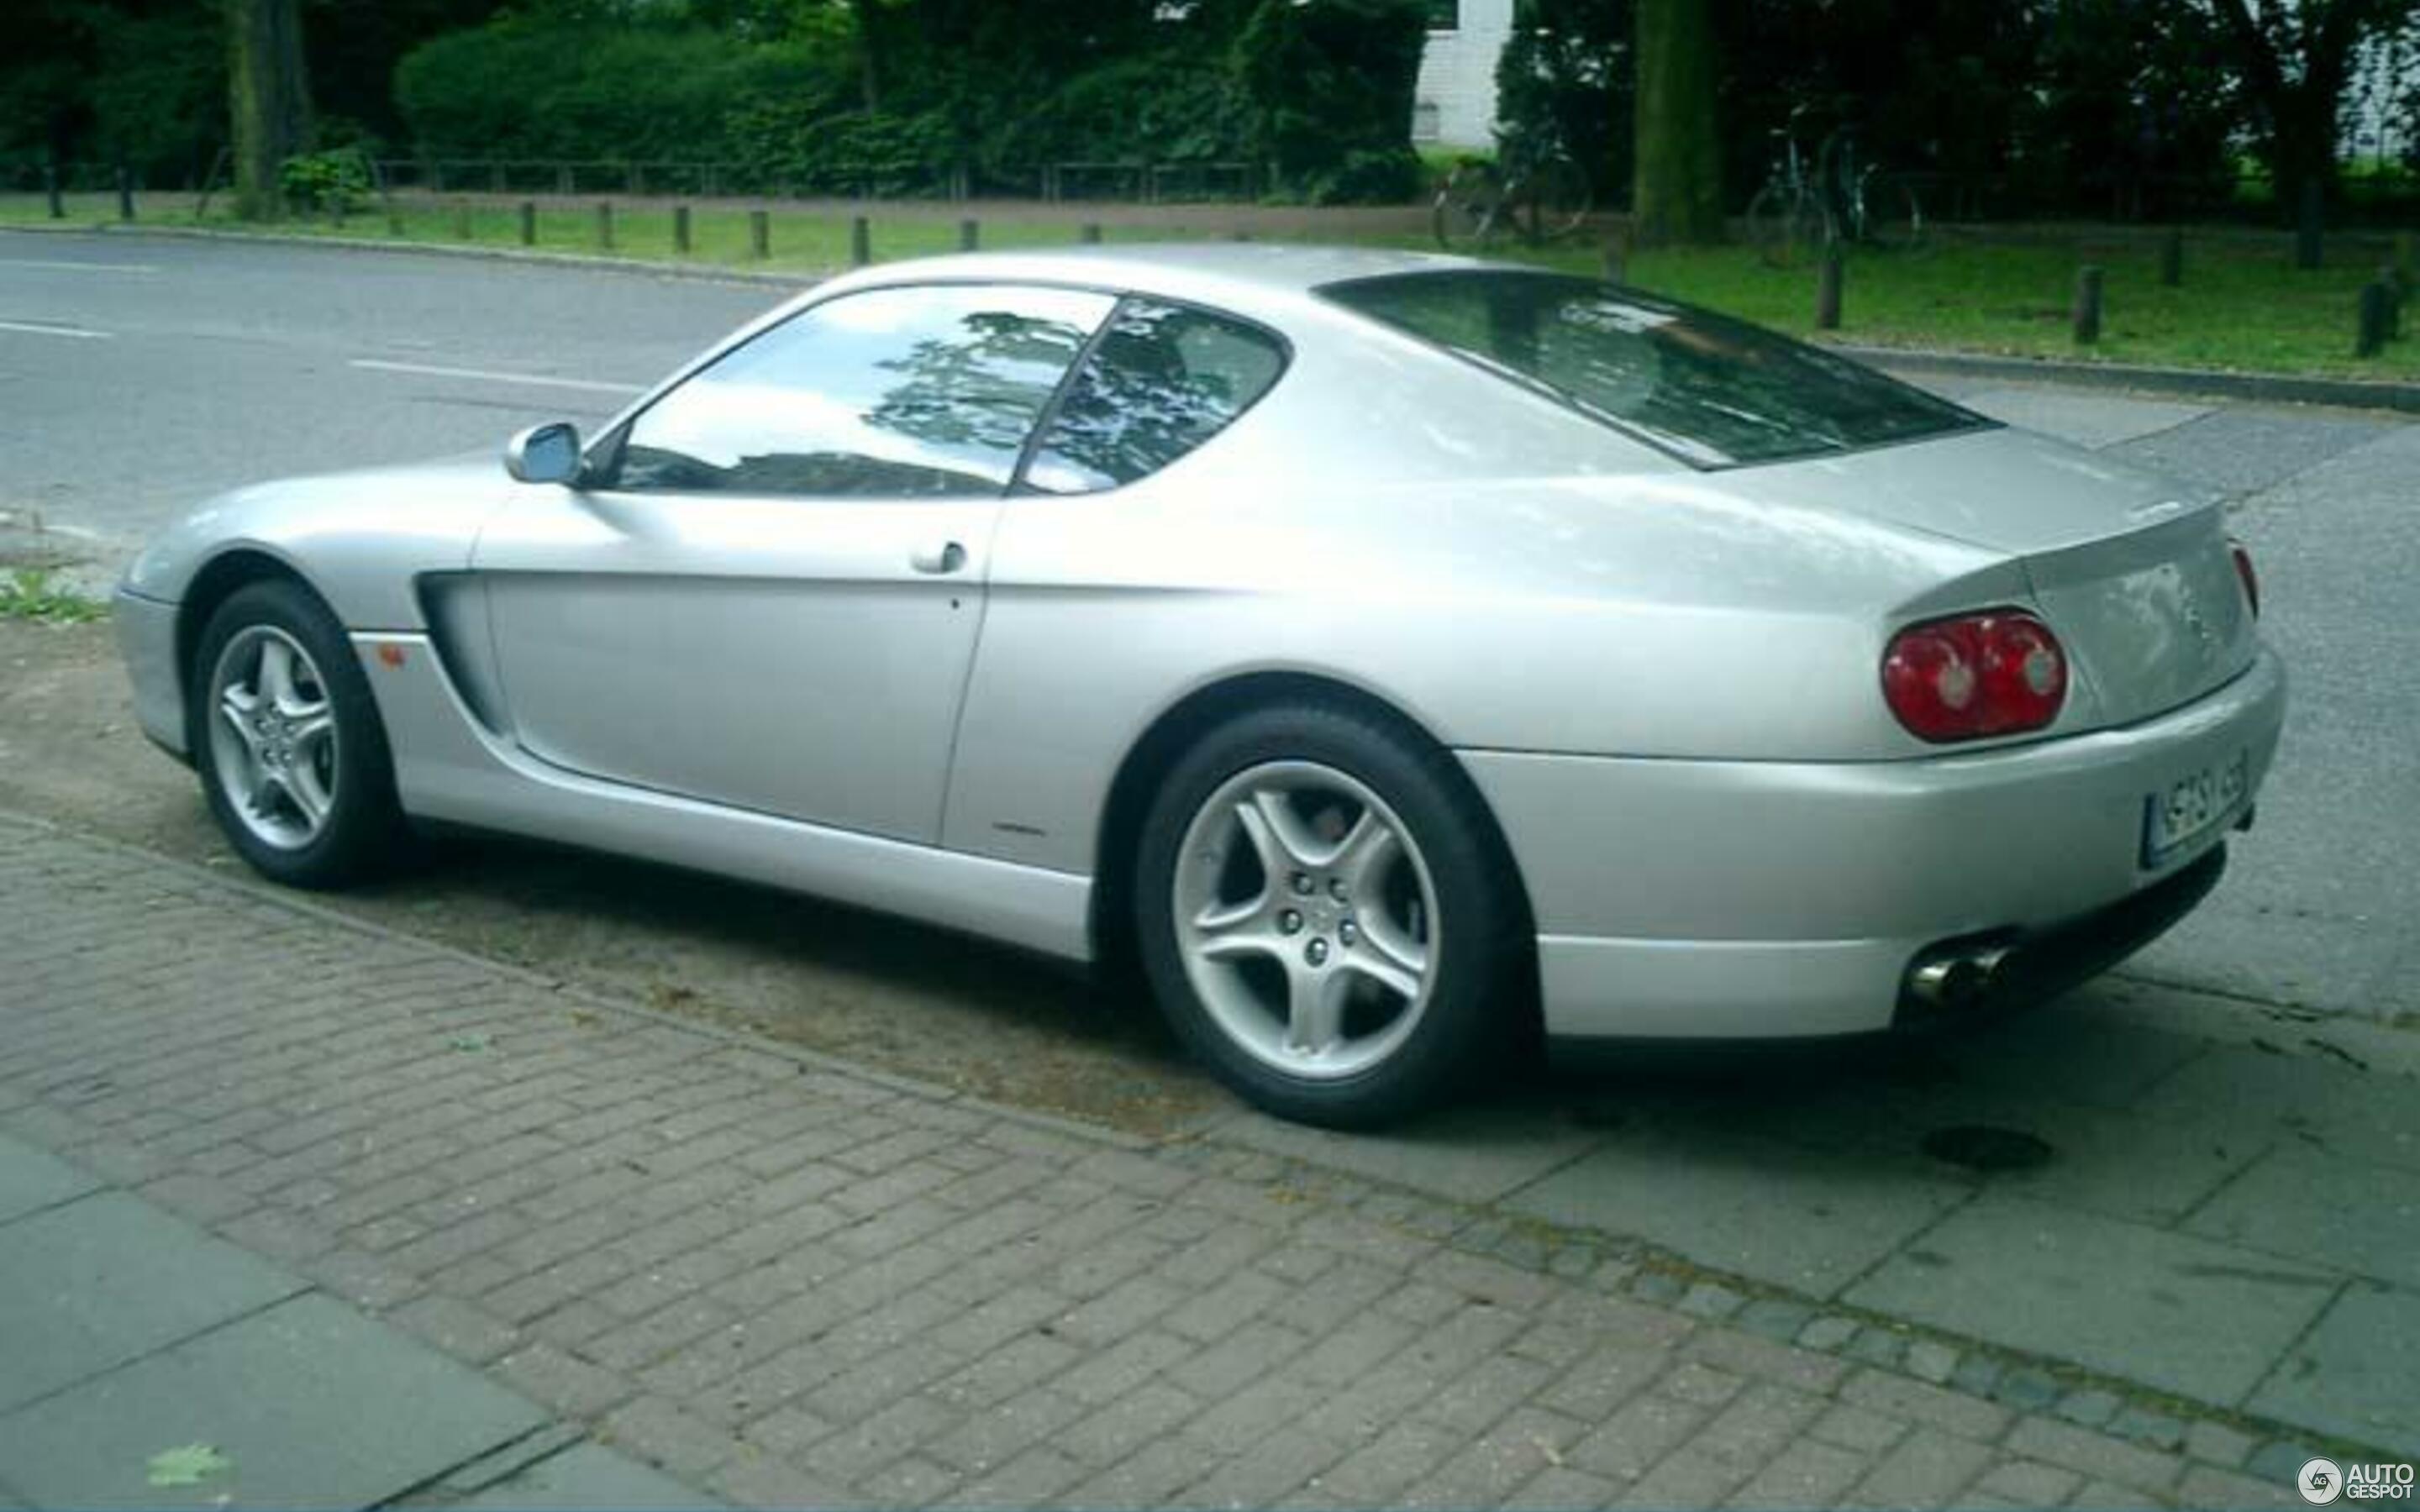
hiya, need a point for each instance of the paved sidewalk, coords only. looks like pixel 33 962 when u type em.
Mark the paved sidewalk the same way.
pixel 134 1339
pixel 788 1284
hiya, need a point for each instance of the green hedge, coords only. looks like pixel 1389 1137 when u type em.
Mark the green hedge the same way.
pixel 1319 93
pixel 519 89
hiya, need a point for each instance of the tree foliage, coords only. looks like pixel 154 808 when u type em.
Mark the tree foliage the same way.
pixel 894 96
pixel 1565 80
pixel 574 88
pixel 2043 105
pixel 2294 60
pixel 2131 106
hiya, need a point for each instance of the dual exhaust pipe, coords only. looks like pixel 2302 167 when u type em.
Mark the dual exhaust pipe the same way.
pixel 1954 977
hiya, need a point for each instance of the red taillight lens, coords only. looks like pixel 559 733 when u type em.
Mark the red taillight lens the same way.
pixel 2243 570
pixel 1996 673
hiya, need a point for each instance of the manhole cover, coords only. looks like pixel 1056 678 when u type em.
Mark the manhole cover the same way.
pixel 1980 1147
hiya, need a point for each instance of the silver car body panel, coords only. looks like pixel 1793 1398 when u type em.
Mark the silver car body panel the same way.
pixel 1663 680
pixel 1764 897
pixel 449 769
pixel 146 640
pixel 777 655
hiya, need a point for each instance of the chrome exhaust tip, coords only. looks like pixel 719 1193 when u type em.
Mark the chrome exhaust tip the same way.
pixel 1955 976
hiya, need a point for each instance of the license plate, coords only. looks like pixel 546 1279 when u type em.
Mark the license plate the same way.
pixel 2191 808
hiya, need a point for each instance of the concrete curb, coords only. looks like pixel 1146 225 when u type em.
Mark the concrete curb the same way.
pixel 2278 388
pixel 2183 383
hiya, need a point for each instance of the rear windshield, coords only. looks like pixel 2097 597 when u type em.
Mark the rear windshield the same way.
pixel 1713 390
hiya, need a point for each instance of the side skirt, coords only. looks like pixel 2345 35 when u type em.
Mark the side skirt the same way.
pixel 449 769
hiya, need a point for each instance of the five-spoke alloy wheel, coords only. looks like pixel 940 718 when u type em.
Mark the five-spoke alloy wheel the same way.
pixel 274 737
pixel 1323 914
pixel 1304 917
pixel 287 739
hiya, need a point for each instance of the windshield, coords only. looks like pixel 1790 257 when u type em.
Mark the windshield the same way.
pixel 1713 390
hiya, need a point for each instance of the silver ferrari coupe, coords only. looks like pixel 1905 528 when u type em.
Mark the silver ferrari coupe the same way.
pixel 1388 656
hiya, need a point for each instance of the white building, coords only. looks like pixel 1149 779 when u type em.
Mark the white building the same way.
pixel 1455 102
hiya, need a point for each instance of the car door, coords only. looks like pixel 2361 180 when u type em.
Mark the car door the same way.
pixel 768 595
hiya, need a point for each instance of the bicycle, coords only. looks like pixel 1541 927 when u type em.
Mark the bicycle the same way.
pixel 1543 196
pixel 1805 205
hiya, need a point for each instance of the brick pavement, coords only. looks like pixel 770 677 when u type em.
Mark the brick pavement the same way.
pixel 790 1283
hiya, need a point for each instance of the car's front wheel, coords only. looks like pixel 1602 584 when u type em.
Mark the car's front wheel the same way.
pixel 1324 916
pixel 287 739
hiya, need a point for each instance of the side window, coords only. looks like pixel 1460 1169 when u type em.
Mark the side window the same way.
pixel 1161 380
pixel 928 390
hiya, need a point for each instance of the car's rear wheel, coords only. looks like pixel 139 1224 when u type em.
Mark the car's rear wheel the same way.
pixel 285 736
pixel 1322 916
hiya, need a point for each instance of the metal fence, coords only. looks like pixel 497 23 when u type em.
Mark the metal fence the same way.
pixel 1144 182
pixel 1134 181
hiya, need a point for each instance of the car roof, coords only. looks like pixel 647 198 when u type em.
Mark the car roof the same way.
pixel 1236 275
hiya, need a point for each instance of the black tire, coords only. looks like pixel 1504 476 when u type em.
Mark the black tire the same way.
pixel 362 831
pixel 1468 1011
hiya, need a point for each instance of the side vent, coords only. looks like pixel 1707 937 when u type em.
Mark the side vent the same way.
pixel 456 606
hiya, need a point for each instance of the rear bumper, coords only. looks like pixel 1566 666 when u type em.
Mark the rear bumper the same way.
pixel 146 638
pixel 1725 900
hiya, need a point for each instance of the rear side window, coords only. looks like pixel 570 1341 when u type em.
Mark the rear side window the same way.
pixel 1712 390
pixel 1161 380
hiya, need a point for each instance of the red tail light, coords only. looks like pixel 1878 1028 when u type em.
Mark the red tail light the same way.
pixel 2243 570
pixel 1994 673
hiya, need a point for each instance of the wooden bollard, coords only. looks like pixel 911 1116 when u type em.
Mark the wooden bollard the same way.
pixel 1089 233
pixel 2371 316
pixel 2307 225
pixel 461 222
pixel 51 191
pixel 2087 305
pixel 393 222
pixel 529 223
pixel 760 235
pixel 125 193
pixel 2172 259
pixel 680 229
pixel 969 235
pixel 861 241
pixel 1828 275
pixel 605 225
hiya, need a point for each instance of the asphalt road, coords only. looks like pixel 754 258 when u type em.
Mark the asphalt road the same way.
pixel 140 373
pixel 137 374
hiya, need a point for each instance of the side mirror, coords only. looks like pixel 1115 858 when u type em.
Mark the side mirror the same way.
pixel 544 454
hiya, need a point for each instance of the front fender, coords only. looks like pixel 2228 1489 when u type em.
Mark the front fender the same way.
pixel 359 539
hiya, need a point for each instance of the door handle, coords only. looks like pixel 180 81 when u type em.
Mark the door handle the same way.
pixel 947 557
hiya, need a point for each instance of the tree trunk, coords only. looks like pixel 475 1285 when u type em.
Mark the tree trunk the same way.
pixel 268 98
pixel 1676 193
pixel 869 52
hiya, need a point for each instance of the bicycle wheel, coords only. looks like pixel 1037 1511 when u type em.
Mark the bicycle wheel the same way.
pixel 1894 221
pixel 1785 227
pixel 1557 192
pixel 1467 207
